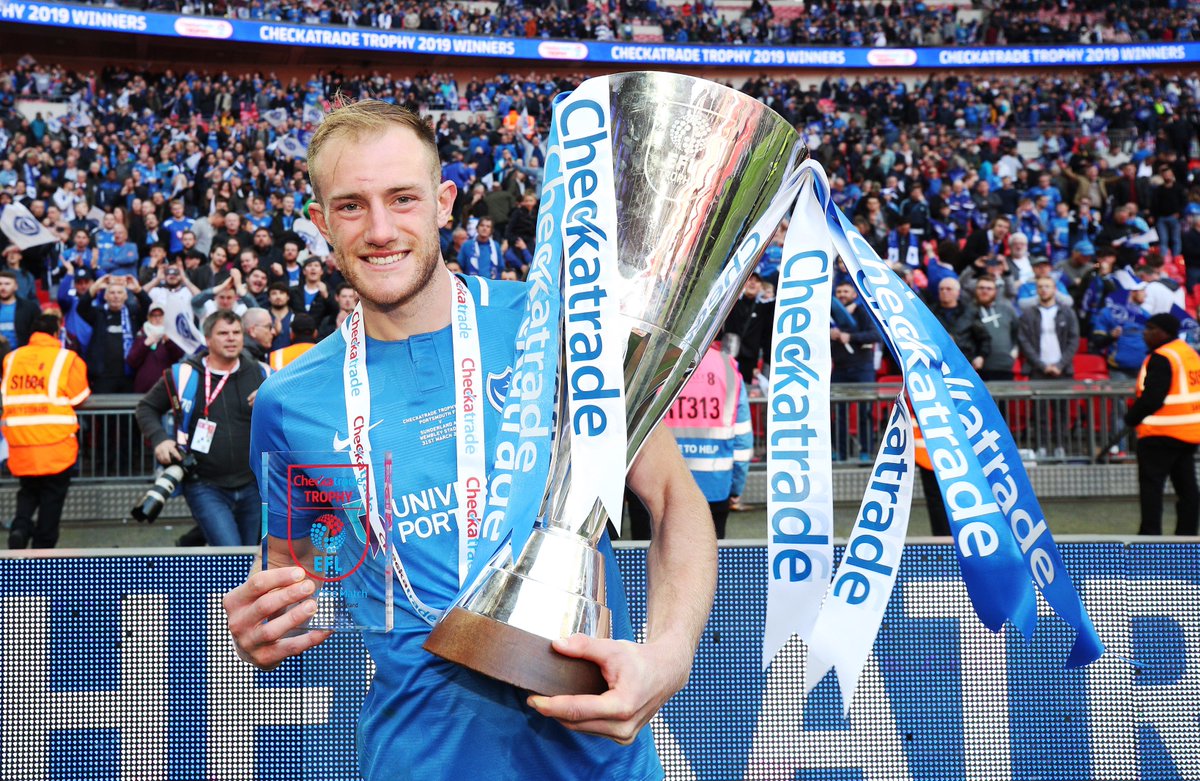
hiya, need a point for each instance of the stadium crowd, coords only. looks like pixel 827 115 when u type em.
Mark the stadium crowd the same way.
pixel 823 22
pixel 190 187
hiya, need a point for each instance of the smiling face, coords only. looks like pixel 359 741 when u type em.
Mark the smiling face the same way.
pixel 381 210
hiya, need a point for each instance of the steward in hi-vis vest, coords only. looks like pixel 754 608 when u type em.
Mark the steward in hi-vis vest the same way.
pixel 1167 416
pixel 285 355
pixel 43 383
pixel 303 338
pixel 711 423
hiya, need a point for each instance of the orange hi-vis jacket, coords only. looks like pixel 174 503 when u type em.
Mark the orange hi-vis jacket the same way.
pixel 43 383
pixel 1179 416
pixel 285 355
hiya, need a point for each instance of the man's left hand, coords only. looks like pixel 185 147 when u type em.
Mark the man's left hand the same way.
pixel 641 677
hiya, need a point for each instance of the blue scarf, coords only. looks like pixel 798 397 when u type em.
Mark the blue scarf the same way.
pixel 126 338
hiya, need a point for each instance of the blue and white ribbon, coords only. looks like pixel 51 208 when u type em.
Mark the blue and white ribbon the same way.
pixel 593 333
pixel 521 456
pixel 857 597
pixel 1000 534
pixel 799 464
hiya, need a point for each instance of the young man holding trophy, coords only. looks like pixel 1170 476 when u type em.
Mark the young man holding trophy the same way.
pixel 439 349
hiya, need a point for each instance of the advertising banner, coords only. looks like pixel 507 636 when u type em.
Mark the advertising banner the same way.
pixel 122 668
pixel 365 39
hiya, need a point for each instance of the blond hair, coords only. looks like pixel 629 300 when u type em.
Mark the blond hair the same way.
pixel 355 119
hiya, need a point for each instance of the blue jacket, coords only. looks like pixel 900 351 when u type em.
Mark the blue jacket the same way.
pixel 1129 350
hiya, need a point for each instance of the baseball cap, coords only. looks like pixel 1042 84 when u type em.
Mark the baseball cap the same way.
pixel 157 306
pixel 83 273
pixel 1084 247
pixel 1039 259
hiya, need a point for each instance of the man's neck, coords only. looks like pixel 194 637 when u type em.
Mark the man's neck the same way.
pixel 280 311
pixel 218 364
pixel 6 301
pixel 1048 304
pixel 425 312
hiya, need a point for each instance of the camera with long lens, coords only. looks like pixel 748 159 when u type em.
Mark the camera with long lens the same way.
pixel 147 510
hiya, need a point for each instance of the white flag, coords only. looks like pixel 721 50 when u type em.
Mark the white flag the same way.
pixel 313 239
pixel 180 326
pixel 292 147
pixel 1126 278
pixel 23 229
pixel 278 117
pixel 313 115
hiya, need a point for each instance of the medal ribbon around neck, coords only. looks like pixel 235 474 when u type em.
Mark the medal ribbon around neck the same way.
pixel 470 462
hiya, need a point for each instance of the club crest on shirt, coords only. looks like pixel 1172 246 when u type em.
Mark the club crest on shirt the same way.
pixel 497 387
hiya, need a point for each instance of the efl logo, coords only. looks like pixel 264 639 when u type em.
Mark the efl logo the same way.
pixel 327 491
pixel 327 535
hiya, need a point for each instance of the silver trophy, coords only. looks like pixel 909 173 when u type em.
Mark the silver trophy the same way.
pixel 697 168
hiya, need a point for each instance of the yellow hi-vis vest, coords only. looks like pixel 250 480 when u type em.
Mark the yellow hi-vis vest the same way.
pixel 1179 416
pixel 43 383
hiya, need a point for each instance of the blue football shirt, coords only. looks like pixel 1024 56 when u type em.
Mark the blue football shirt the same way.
pixel 425 718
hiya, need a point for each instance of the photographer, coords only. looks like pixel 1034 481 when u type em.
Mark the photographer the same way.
pixel 215 394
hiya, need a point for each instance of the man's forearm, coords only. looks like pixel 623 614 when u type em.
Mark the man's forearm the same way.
pixel 681 569
pixel 682 560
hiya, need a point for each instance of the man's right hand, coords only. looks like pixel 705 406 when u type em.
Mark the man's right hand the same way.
pixel 261 622
pixel 167 452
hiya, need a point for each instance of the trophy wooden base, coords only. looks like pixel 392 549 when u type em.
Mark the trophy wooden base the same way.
pixel 512 655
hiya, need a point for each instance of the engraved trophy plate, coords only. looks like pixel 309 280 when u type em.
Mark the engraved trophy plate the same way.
pixel 315 517
pixel 696 167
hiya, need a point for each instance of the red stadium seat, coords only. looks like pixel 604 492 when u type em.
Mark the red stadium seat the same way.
pixel 1090 367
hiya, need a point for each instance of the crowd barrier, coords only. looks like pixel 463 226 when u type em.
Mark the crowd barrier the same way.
pixel 634 54
pixel 1057 422
pixel 120 667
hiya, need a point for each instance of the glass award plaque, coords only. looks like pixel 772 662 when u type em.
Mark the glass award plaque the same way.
pixel 316 514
